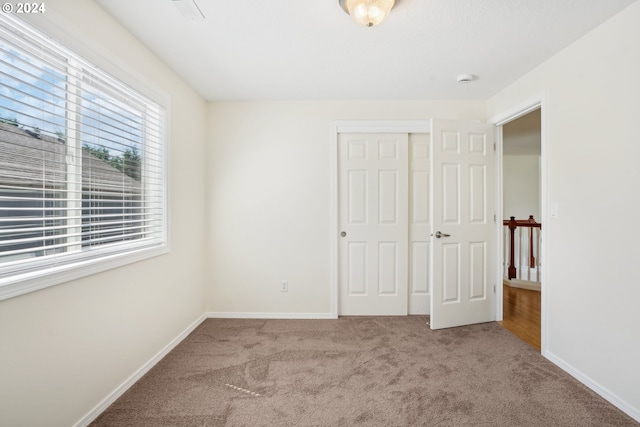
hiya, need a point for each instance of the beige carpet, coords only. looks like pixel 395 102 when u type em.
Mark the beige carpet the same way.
pixel 356 371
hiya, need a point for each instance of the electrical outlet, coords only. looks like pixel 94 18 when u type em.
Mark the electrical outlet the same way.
pixel 284 286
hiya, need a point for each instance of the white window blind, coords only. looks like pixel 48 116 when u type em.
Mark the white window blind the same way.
pixel 81 159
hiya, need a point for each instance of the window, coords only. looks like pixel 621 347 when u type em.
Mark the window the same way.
pixel 81 164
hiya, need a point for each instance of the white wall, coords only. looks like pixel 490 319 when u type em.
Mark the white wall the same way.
pixel 592 290
pixel 64 349
pixel 521 186
pixel 269 198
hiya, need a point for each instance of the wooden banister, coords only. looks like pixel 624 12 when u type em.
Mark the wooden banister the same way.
pixel 530 222
pixel 514 223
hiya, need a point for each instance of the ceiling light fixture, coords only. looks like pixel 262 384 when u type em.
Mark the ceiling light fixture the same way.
pixel 368 12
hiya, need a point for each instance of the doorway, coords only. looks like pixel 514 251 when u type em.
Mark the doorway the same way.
pixel 521 200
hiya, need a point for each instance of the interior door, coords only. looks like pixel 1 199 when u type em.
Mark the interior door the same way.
pixel 373 218
pixel 463 224
pixel 419 223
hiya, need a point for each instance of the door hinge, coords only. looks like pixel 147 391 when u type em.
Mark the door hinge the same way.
pixel 494 146
pixel 495 218
pixel 494 289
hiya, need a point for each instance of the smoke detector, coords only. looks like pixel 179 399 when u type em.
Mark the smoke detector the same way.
pixel 466 78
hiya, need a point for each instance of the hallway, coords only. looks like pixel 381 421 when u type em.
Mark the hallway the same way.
pixel 521 314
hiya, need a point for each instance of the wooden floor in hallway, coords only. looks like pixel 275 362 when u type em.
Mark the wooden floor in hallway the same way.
pixel 521 314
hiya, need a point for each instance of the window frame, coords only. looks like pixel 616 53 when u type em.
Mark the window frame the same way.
pixel 103 259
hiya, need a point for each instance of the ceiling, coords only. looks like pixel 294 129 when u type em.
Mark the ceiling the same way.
pixel 311 49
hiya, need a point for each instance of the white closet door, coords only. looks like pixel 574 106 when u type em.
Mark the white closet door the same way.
pixel 419 223
pixel 373 218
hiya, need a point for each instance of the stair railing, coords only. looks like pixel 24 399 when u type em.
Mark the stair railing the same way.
pixel 522 248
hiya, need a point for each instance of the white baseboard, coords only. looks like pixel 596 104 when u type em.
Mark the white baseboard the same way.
pixel 237 315
pixel 114 395
pixel 593 385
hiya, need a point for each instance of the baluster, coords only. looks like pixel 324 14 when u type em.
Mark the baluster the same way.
pixel 521 253
pixel 512 228
pixel 506 250
pixel 532 259
pixel 527 259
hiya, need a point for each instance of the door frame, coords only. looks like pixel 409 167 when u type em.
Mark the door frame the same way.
pixel 499 120
pixel 354 126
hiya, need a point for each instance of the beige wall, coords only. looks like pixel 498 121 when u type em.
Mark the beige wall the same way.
pixel 269 197
pixel 521 186
pixel 592 291
pixel 66 348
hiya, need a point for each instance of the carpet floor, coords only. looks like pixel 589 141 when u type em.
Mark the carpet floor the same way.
pixel 356 371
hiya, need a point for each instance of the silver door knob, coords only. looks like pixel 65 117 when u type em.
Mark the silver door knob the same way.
pixel 439 235
pixel 344 233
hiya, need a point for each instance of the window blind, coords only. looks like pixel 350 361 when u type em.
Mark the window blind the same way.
pixel 81 158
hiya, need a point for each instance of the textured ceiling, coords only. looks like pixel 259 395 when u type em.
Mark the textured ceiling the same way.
pixel 310 49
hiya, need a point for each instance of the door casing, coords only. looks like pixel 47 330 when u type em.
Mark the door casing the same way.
pixel 500 119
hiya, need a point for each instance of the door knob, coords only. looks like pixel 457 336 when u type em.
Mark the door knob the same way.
pixel 439 235
pixel 344 233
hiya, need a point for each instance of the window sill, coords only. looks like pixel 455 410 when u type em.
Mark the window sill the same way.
pixel 14 286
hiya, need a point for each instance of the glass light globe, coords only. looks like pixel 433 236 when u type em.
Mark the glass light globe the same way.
pixel 369 12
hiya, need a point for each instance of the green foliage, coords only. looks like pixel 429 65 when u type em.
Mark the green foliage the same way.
pixel 130 162
pixel 10 121
pixel 100 152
